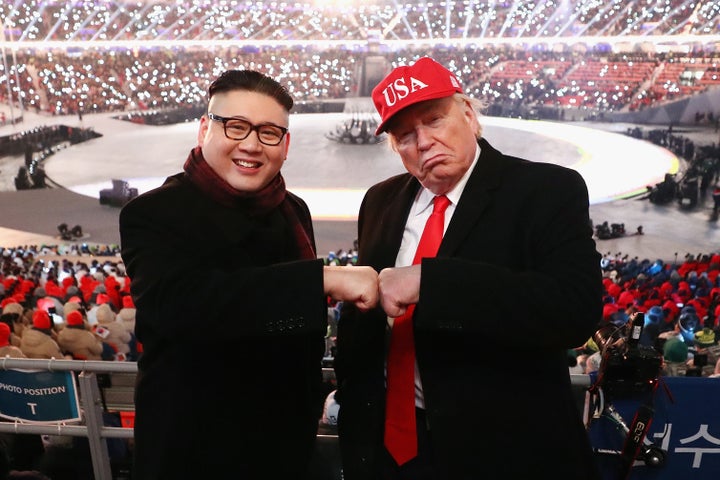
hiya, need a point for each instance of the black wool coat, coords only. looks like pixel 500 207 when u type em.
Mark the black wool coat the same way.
pixel 232 326
pixel 516 282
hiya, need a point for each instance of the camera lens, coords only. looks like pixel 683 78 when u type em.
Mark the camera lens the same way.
pixel 605 336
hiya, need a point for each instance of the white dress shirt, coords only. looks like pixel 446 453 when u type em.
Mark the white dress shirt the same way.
pixel 419 213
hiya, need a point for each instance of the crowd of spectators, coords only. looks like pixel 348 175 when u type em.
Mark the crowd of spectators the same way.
pixel 529 83
pixel 37 145
pixel 64 302
pixel 279 38
pixel 699 173
pixel 680 303
pixel 37 20
pixel 56 288
pixel 67 302
pixel 57 307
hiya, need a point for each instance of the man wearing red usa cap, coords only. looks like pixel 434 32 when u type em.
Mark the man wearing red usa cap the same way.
pixel 516 267
pixel 406 85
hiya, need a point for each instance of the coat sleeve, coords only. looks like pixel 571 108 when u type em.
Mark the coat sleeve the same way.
pixel 529 269
pixel 189 263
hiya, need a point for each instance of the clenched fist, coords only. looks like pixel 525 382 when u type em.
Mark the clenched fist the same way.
pixel 399 287
pixel 358 285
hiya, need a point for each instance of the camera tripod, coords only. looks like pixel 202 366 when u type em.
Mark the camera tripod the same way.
pixel 636 446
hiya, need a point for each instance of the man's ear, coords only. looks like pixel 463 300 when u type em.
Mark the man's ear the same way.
pixel 202 129
pixel 287 145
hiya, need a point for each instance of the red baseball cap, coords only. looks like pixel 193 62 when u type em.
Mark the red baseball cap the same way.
pixel 424 80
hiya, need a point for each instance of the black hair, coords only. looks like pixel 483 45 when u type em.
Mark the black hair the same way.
pixel 251 81
pixel 10 319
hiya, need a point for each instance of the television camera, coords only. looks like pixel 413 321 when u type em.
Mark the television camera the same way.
pixel 117 196
pixel 628 369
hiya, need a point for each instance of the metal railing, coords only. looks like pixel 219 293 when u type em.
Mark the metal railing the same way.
pixel 92 405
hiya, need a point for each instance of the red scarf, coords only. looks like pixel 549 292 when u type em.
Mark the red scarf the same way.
pixel 272 196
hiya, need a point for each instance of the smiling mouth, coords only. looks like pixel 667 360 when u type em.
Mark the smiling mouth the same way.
pixel 246 164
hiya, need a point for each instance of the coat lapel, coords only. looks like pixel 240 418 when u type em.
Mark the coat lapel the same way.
pixel 474 199
pixel 392 221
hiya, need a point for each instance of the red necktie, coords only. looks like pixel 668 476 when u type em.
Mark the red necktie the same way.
pixel 400 427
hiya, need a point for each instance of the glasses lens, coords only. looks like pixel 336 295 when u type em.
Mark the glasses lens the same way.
pixel 237 129
pixel 269 134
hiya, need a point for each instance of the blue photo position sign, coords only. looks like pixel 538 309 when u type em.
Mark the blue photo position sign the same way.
pixel 38 396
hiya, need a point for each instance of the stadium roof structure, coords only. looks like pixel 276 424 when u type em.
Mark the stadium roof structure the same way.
pixel 78 24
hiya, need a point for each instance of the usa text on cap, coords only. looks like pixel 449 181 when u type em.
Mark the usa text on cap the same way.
pixel 424 80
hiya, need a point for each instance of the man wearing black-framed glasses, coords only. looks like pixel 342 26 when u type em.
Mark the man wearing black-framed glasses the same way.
pixel 223 253
pixel 239 129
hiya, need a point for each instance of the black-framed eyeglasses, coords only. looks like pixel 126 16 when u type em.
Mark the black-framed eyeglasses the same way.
pixel 239 129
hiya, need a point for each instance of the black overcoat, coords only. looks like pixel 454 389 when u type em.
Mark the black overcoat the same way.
pixel 232 327
pixel 516 282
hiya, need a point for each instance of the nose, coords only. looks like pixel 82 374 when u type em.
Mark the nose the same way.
pixel 251 142
pixel 424 137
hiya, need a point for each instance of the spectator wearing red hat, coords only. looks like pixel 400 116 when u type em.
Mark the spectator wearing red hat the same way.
pixel 74 303
pixel 126 316
pixel 626 305
pixel 37 294
pixel 6 348
pixel 37 341
pixel 13 314
pixel 112 332
pixel 98 299
pixel 66 283
pixel 700 305
pixel 77 340
pixel 626 299
pixel 670 311
pixel 72 292
pixel 127 313
pixel 614 289
pixel 112 290
pixel 609 311
pixel 87 287
pixel 55 291
pixel 102 298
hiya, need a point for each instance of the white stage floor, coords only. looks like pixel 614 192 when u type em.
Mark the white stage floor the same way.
pixel 332 178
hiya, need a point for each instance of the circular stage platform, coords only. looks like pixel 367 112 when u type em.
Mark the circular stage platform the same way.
pixel 332 177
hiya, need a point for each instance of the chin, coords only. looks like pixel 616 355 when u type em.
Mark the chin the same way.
pixel 244 184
